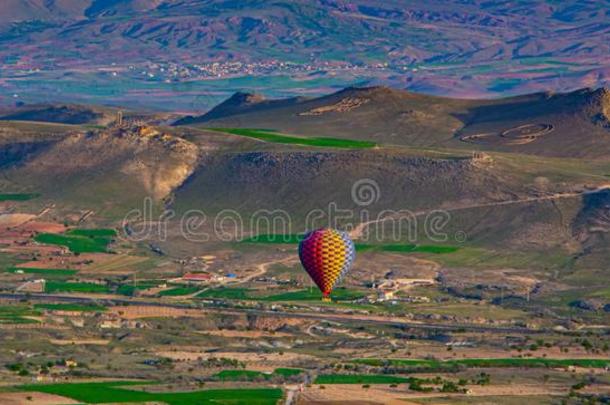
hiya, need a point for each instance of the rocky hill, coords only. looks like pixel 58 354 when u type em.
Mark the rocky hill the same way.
pixel 83 167
pixel 571 124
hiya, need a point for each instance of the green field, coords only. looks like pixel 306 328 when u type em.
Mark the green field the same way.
pixel 178 291
pixel 249 375
pixel 60 286
pixel 288 372
pixel 311 294
pixel 80 240
pixel 487 363
pixel 43 272
pixel 93 233
pixel 18 196
pixel 275 137
pixel 118 392
pixel 361 247
pixel 16 314
pixel 130 289
pixel 225 293
pixel 360 379
pixel 71 307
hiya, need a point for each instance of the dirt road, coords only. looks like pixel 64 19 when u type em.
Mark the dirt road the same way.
pixel 358 231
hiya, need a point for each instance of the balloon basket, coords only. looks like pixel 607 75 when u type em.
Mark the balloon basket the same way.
pixel 326 299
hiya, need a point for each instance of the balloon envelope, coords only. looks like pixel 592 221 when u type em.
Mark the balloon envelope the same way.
pixel 327 255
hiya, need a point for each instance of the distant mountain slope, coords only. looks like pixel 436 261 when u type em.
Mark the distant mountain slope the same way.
pixel 21 11
pixel 64 114
pixel 575 124
pixel 354 29
pixel 438 47
pixel 239 103
pixel 376 113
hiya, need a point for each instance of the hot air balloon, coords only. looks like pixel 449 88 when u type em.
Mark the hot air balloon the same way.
pixel 327 255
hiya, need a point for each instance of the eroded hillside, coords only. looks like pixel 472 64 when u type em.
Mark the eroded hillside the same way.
pixel 119 165
pixel 572 124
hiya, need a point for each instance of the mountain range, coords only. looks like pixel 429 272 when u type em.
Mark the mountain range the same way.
pixel 72 48
pixel 396 30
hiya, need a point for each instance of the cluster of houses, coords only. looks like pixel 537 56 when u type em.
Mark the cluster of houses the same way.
pixel 202 278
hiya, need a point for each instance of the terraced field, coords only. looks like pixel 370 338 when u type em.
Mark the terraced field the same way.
pixel 17 314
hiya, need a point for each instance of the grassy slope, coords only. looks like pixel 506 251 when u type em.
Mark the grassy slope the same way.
pixel 275 137
pixel 396 117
